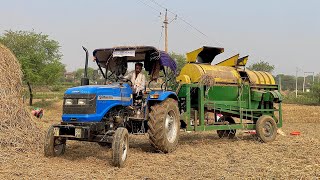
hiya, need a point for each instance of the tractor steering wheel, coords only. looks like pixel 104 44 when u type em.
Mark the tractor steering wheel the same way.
pixel 125 80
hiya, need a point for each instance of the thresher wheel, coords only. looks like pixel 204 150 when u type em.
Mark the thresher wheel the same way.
pixel 164 125
pixel 227 133
pixel 104 144
pixel 266 128
pixel 120 147
pixel 53 146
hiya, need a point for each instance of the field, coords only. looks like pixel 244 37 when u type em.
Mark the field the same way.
pixel 199 155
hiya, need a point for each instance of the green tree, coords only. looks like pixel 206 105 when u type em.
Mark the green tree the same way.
pixel 92 75
pixel 288 82
pixel 38 55
pixel 315 90
pixel 261 66
pixel 180 60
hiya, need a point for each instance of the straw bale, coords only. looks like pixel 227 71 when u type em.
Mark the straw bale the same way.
pixel 17 128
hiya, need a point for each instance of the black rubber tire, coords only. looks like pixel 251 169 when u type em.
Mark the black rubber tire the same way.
pixel 53 146
pixel 105 145
pixel 266 129
pixel 158 135
pixel 227 133
pixel 120 147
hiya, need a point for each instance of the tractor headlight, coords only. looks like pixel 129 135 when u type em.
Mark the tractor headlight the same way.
pixel 78 133
pixel 68 102
pixel 56 131
pixel 82 101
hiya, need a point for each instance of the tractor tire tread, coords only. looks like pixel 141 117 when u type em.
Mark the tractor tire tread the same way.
pixel 156 131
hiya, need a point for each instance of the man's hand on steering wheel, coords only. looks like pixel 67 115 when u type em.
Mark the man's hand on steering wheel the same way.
pixel 122 78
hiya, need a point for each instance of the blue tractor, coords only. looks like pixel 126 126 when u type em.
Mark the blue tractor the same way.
pixel 106 114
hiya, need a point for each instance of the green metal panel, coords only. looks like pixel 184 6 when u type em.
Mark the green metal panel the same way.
pixel 256 95
pixel 183 91
pixel 201 106
pixel 223 93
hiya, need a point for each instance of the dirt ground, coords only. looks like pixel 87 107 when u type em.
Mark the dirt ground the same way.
pixel 200 155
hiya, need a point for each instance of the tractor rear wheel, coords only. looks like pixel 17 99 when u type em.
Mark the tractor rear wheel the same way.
pixel 164 125
pixel 120 147
pixel 231 133
pixel 266 128
pixel 53 146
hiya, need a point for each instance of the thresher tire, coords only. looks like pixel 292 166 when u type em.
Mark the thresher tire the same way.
pixel 120 147
pixel 105 145
pixel 164 126
pixel 266 128
pixel 227 133
pixel 53 146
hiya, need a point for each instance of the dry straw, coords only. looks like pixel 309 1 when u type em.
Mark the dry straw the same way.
pixel 207 79
pixel 17 129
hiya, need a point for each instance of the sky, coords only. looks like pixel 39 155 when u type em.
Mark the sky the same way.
pixel 285 33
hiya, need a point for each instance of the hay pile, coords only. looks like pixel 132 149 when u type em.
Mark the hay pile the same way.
pixel 17 129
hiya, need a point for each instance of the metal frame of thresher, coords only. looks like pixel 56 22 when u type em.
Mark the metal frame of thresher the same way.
pixel 242 113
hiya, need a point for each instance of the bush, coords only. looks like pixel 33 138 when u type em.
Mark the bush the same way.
pixel 44 103
pixel 55 88
pixel 302 98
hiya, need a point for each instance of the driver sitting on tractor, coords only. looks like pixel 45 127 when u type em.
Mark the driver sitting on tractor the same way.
pixel 137 78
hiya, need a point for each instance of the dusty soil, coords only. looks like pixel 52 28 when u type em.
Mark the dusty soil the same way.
pixel 200 155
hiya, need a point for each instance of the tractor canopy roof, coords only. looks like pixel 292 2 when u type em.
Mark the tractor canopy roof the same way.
pixel 116 59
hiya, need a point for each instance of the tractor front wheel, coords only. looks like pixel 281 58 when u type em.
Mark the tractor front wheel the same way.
pixel 120 147
pixel 54 146
pixel 266 128
pixel 164 125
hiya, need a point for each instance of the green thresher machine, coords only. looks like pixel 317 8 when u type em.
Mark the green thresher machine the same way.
pixel 246 99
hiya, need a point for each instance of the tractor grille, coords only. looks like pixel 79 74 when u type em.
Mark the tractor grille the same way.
pixel 88 108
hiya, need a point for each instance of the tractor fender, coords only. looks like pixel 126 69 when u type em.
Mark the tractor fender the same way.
pixel 161 95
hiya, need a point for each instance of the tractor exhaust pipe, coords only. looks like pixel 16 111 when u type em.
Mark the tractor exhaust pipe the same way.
pixel 85 79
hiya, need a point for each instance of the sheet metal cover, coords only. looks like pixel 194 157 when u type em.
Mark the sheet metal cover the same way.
pixel 221 74
pixel 260 78
pixel 234 61
pixel 204 54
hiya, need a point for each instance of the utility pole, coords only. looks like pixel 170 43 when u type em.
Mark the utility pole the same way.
pixel 165 22
pixel 313 78
pixel 304 81
pixel 297 82
pixel 280 85
pixel 304 78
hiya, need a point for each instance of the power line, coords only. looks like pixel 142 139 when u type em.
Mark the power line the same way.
pixel 187 23
pixel 150 6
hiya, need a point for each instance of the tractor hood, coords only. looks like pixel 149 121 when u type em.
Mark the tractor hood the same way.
pixel 96 89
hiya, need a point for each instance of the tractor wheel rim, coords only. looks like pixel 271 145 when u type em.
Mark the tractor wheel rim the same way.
pixel 268 129
pixel 58 146
pixel 171 127
pixel 124 149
